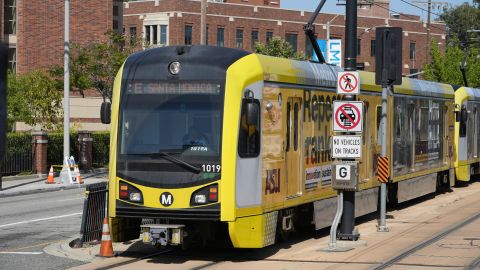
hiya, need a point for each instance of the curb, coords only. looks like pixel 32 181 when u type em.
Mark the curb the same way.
pixel 63 249
pixel 42 190
pixel 23 177
pixel 49 188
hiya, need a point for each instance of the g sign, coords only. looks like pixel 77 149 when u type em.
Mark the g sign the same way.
pixel 345 175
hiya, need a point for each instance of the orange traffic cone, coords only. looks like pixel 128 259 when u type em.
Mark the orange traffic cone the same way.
pixel 106 247
pixel 50 179
pixel 78 177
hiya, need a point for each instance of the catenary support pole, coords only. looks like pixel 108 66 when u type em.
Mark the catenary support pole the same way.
pixel 66 83
pixel 382 227
pixel 348 218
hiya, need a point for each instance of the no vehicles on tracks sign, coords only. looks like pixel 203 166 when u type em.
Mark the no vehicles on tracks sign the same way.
pixel 348 116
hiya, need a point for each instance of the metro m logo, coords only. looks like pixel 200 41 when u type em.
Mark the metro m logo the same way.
pixel 166 199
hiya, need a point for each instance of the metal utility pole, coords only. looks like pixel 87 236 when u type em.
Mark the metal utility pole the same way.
pixel 203 23
pixel 66 84
pixel 427 48
pixel 348 218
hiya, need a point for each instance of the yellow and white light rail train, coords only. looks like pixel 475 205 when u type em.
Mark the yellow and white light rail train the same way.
pixel 208 141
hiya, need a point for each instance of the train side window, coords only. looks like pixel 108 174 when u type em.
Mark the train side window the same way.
pixel 288 127
pixel 295 127
pixel 463 121
pixel 249 134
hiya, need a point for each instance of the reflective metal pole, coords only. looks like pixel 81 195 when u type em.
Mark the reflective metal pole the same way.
pixel 66 84
pixel 382 227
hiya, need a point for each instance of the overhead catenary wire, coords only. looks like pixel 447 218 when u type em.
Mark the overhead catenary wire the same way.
pixel 423 9
pixel 405 15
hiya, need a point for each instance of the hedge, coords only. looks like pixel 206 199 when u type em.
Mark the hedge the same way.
pixel 100 148
pixel 18 154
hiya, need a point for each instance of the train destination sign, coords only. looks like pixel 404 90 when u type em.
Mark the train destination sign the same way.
pixel 348 83
pixel 348 116
pixel 347 147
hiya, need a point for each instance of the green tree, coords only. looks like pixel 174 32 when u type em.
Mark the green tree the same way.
pixel 460 19
pixel 95 65
pixel 279 48
pixel 445 67
pixel 34 99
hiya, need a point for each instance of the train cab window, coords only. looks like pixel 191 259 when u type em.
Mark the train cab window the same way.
pixel 463 121
pixel 249 134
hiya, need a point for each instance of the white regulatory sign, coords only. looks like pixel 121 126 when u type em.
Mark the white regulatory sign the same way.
pixel 346 147
pixel 347 116
pixel 348 83
pixel 342 172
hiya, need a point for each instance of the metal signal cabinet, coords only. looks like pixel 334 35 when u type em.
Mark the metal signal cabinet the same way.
pixel 467 129
pixel 263 165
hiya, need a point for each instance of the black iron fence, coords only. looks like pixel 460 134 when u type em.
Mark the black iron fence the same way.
pixel 94 209
pixel 15 163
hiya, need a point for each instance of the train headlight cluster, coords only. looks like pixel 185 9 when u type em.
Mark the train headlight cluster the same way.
pixel 206 195
pixel 130 193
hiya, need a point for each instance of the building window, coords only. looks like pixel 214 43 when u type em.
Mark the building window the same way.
pixel 188 35
pixel 133 36
pixel 163 34
pixel 239 38
pixel 373 47
pixel 115 10
pixel 10 17
pixel 292 39
pixel 359 46
pixel 254 38
pixel 220 37
pixel 12 59
pixel 269 36
pixel 206 36
pixel 154 35
pixel 412 51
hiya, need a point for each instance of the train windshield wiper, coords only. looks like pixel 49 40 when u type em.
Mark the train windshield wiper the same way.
pixel 180 162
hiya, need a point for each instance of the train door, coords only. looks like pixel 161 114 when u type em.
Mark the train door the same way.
pixel 475 134
pixel 293 147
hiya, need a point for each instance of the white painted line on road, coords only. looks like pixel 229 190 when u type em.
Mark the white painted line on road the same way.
pixel 66 200
pixel 40 219
pixel 22 253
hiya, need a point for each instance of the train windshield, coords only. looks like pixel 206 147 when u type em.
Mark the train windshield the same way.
pixel 165 124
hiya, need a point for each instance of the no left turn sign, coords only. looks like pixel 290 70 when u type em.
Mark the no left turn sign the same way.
pixel 348 116
pixel 348 82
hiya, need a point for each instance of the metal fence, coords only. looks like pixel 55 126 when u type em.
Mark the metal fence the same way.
pixel 18 162
pixel 94 209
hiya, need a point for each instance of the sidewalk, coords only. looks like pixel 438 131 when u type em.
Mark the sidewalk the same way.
pixel 29 185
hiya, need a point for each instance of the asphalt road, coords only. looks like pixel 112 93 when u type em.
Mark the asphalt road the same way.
pixel 29 223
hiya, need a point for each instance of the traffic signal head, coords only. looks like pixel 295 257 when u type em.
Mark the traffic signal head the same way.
pixel 388 57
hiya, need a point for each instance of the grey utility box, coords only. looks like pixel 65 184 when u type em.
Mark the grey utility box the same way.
pixel 345 175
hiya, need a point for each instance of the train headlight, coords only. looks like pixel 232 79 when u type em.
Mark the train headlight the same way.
pixel 136 197
pixel 205 195
pixel 174 68
pixel 200 199
pixel 129 193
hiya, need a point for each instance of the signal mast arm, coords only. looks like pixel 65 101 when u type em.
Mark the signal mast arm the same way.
pixel 309 29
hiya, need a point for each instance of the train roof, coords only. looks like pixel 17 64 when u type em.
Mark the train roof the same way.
pixel 463 94
pixel 323 75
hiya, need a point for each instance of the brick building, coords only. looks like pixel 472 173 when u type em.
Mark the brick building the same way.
pixel 34 31
pixel 231 24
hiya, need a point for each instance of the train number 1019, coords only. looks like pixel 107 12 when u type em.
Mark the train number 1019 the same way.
pixel 213 168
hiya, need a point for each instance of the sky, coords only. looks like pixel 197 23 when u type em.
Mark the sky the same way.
pixel 395 5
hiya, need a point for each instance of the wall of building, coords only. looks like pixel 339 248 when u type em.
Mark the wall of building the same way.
pixel 40 29
pixel 181 13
